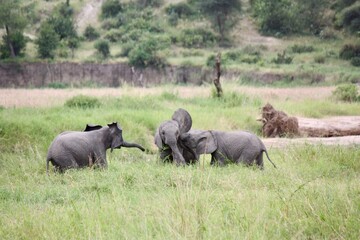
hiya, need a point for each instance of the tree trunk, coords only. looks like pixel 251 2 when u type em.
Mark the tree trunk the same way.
pixel 10 45
pixel 218 74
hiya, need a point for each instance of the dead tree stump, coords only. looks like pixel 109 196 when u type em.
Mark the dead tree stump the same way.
pixel 217 83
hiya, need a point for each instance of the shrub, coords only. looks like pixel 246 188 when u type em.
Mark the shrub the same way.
pixel 346 92
pixel 110 8
pixel 320 59
pixel 282 58
pixel 328 34
pixel 355 61
pixel 63 26
pixel 113 35
pixel 197 37
pixel 349 51
pixel 47 41
pixel 58 85
pixel 181 9
pixel 302 48
pixel 150 3
pixel 145 52
pixel 18 42
pixel 103 47
pixel 91 33
pixel 350 18
pixel 82 101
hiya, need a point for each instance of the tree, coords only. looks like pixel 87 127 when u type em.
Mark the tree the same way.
pixel 47 41
pixel 103 47
pixel 13 22
pixel 220 12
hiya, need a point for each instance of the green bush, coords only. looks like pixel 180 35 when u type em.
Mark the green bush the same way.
pixel 349 18
pixel 63 26
pixel 82 101
pixel 18 41
pixel 110 8
pixel 47 41
pixel 355 61
pixel 91 33
pixel 197 38
pixel 180 10
pixel 346 92
pixel 145 52
pixel 282 58
pixel 320 59
pixel 113 35
pixel 103 47
pixel 302 48
pixel 349 51
pixel 58 85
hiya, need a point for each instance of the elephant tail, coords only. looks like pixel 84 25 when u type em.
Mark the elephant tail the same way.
pixel 267 155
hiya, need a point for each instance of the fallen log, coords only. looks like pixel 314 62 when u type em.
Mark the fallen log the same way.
pixel 329 127
pixel 279 124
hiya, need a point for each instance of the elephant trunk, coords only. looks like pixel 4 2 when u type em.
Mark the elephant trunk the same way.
pixel 132 145
pixel 178 157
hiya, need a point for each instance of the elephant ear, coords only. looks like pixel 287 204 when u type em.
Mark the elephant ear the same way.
pixel 203 142
pixel 158 140
pixel 90 127
pixel 115 135
pixel 183 118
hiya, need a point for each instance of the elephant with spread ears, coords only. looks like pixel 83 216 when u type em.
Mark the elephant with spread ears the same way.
pixel 235 146
pixel 167 138
pixel 77 149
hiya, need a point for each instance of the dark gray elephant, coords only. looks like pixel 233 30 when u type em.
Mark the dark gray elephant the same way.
pixel 168 141
pixel 236 146
pixel 73 149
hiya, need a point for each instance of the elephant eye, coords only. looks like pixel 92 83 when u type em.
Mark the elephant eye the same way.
pixel 163 132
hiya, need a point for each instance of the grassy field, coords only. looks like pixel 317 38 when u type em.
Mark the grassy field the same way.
pixel 314 193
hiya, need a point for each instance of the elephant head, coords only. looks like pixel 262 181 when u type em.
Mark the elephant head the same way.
pixel 167 136
pixel 199 142
pixel 116 135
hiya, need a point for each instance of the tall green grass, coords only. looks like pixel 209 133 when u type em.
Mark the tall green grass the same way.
pixel 314 193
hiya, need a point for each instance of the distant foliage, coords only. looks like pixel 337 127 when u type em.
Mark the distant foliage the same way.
pixel 349 51
pixel 110 8
pixel 58 85
pixel 63 26
pixel 91 34
pixel 347 93
pixel 82 101
pixel 47 41
pixel 349 18
pixel 355 61
pixel 197 38
pixel 150 3
pixel 145 53
pixel 18 41
pixel 285 17
pixel 282 58
pixel 302 48
pixel 181 10
pixel 103 47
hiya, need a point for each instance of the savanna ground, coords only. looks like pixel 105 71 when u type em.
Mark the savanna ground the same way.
pixel 314 193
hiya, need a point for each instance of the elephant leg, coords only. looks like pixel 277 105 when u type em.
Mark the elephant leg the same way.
pixel 219 158
pixel 166 156
pixel 259 161
pixel 213 160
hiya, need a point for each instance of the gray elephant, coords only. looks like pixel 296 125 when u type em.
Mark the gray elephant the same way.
pixel 168 141
pixel 236 146
pixel 75 149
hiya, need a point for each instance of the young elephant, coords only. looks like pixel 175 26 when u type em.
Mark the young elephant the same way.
pixel 168 141
pixel 81 149
pixel 236 146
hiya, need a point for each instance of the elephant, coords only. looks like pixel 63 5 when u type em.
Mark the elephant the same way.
pixel 167 138
pixel 76 149
pixel 236 146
